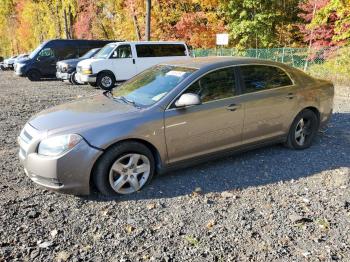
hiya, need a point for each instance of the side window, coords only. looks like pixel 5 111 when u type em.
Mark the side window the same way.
pixel 160 50
pixel 67 52
pixel 46 52
pixel 145 50
pixel 261 77
pixel 170 50
pixel 215 85
pixel 122 51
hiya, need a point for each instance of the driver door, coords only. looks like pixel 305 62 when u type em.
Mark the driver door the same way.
pixel 216 124
pixel 123 63
pixel 46 62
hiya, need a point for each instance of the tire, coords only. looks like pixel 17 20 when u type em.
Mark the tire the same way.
pixel 105 80
pixel 72 79
pixel 303 130
pixel 34 75
pixel 120 163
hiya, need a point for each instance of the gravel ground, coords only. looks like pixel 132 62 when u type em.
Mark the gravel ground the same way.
pixel 270 204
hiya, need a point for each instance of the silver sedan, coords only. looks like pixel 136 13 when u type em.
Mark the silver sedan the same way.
pixel 170 116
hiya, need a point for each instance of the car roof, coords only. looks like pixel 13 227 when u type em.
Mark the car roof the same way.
pixel 220 61
pixel 150 42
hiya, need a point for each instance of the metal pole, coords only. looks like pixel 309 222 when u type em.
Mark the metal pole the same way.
pixel 148 20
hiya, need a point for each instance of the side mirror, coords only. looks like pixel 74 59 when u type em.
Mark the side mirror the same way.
pixel 188 99
pixel 115 54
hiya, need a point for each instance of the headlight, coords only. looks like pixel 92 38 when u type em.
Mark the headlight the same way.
pixel 64 67
pixel 54 146
pixel 86 70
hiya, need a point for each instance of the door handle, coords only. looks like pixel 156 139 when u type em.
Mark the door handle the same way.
pixel 133 60
pixel 290 96
pixel 233 107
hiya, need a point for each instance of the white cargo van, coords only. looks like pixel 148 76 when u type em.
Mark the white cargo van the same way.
pixel 122 60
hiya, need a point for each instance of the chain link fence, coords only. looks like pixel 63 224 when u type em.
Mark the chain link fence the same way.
pixel 329 63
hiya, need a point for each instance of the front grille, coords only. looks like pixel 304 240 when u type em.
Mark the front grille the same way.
pixel 61 68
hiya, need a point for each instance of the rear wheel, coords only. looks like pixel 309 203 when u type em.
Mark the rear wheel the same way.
pixel 105 80
pixel 303 130
pixel 34 75
pixel 124 169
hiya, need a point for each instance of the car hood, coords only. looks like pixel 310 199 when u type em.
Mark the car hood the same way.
pixel 24 60
pixel 71 62
pixel 90 111
pixel 87 62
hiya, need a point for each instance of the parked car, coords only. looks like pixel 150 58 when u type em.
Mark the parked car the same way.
pixel 19 58
pixel 42 61
pixel 122 60
pixel 8 63
pixel 66 69
pixel 172 115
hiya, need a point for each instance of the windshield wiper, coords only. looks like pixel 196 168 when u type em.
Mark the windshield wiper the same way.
pixel 127 101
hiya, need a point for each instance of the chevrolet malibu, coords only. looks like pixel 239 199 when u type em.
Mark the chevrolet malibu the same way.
pixel 169 116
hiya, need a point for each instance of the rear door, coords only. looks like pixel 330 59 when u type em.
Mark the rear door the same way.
pixel 123 64
pixel 269 100
pixel 214 125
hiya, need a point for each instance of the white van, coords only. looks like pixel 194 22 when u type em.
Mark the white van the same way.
pixel 122 60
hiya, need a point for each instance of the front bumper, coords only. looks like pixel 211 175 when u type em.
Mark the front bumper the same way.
pixel 63 76
pixel 66 173
pixel 19 70
pixel 85 78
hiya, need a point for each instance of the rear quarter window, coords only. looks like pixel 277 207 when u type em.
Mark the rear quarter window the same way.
pixel 260 77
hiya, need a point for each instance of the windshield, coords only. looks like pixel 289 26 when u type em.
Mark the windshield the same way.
pixel 36 51
pixel 90 53
pixel 151 85
pixel 105 51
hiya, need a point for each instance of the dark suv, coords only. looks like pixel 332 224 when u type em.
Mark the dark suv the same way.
pixel 42 61
pixel 66 69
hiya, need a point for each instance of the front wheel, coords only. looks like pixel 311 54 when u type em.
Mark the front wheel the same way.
pixel 303 130
pixel 34 75
pixel 106 81
pixel 73 79
pixel 124 169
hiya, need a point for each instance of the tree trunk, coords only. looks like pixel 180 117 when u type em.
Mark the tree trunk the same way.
pixel 66 24
pixel 70 23
pixel 58 23
pixel 136 25
pixel 148 20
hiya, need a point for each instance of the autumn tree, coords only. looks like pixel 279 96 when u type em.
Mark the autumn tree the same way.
pixel 258 24
pixel 334 15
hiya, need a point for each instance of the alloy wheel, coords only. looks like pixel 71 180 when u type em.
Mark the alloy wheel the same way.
pixel 302 131
pixel 129 173
pixel 106 81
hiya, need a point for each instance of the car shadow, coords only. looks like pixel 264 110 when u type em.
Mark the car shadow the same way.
pixel 48 79
pixel 331 150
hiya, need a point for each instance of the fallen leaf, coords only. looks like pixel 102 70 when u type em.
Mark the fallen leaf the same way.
pixel 210 224
pixel 129 228
pixel 151 206
pixel 192 240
